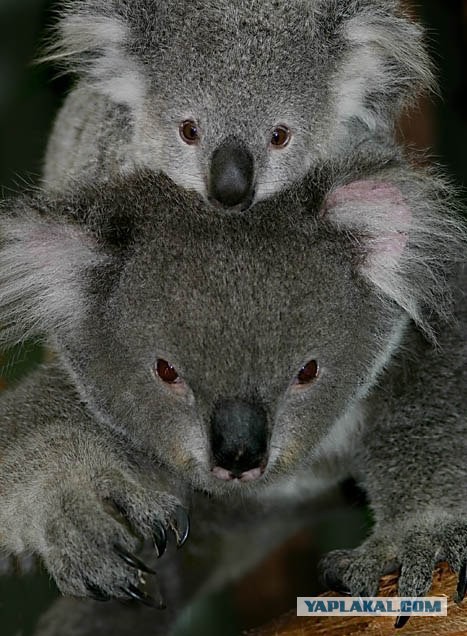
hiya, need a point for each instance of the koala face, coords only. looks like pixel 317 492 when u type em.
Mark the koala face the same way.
pixel 234 356
pixel 227 346
pixel 233 153
pixel 237 100
pixel 218 135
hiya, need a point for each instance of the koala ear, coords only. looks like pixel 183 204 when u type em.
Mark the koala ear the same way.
pixel 406 234
pixel 44 267
pixel 388 217
pixel 95 42
pixel 385 64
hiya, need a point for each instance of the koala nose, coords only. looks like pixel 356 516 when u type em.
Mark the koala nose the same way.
pixel 239 438
pixel 232 175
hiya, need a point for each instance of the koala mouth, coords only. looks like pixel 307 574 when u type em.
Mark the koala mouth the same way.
pixel 227 475
pixel 239 441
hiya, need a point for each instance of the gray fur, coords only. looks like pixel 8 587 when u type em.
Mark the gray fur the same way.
pixel 238 304
pixel 337 72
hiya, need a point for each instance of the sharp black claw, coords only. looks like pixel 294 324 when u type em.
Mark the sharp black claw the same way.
pixel 462 584
pixel 181 526
pixel 402 622
pixel 160 538
pixel 131 560
pixel 137 595
pixel 96 593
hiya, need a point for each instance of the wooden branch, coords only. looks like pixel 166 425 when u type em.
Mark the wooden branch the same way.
pixel 444 583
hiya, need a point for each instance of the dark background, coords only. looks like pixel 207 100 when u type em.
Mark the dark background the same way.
pixel 29 97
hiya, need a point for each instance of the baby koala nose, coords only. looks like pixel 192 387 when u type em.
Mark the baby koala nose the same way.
pixel 231 175
pixel 239 440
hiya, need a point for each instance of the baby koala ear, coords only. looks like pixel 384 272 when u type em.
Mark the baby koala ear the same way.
pixel 377 211
pixel 91 39
pixel 403 238
pixel 44 266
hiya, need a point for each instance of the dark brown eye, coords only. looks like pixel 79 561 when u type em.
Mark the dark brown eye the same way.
pixel 309 373
pixel 166 372
pixel 281 136
pixel 189 132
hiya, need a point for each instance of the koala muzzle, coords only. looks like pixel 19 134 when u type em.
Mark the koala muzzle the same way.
pixel 239 439
pixel 232 175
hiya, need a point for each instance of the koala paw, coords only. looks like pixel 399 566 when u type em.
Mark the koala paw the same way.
pixel 91 538
pixel 414 548
pixel 20 564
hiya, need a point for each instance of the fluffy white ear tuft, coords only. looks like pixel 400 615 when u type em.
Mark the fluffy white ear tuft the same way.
pixel 385 67
pixel 43 265
pixel 94 46
pixel 406 234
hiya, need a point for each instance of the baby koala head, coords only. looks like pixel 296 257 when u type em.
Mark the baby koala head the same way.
pixel 228 347
pixel 238 99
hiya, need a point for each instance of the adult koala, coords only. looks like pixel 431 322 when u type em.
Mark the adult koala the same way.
pixel 225 366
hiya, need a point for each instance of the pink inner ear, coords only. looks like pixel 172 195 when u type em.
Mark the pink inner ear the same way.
pixel 389 209
pixel 366 192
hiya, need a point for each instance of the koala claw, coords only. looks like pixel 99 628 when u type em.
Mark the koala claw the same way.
pixel 462 585
pixel 93 552
pixel 402 622
pixel 140 596
pixel 344 571
pixel 160 539
pixel 180 526
pixel 132 560
pixel 412 547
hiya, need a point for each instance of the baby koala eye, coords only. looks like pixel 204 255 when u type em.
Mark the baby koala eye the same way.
pixel 189 132
pixel 166 372
pixel 281 136
pixel 308 373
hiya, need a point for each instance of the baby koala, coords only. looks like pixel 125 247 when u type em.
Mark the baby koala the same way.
pixel 232 99
pixel 213 364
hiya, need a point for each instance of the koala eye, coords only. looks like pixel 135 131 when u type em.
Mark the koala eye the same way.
pixel 308 373
pixel 189 132
pixel 281 136
pixel 166 372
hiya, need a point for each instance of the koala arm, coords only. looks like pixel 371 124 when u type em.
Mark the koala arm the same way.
pixel 411 462
pixel 90 137
pixel 78 496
